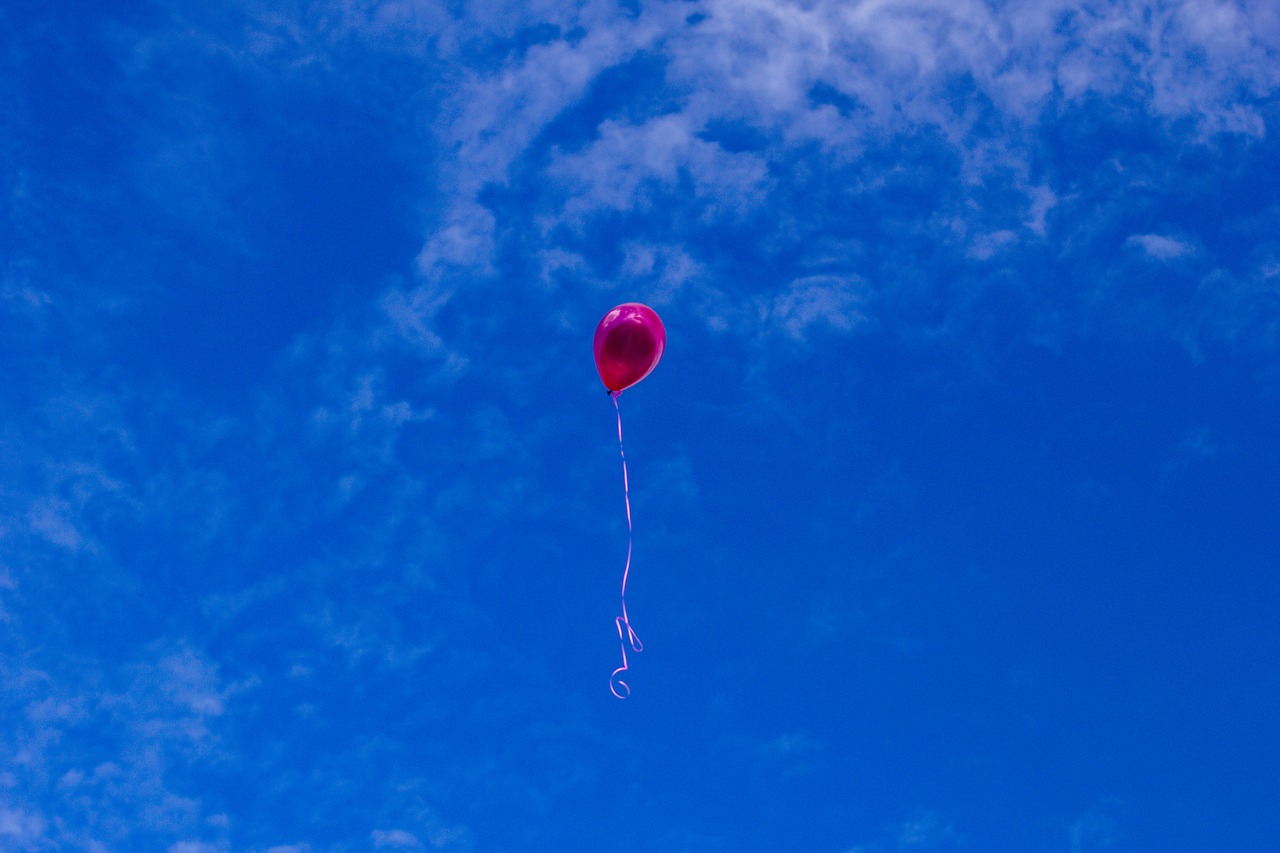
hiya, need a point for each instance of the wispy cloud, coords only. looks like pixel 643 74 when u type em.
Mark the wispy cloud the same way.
pixel 24 829
pixel 122 786
pixel 830 301
pixel 1160 246
pixel 926 829
pixel 752 87
pixel 617 171
pixel 437 837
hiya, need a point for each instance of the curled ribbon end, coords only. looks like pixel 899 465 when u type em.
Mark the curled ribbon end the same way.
pixel 615 683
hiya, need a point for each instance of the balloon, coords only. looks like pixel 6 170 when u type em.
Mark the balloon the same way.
pixel 629 341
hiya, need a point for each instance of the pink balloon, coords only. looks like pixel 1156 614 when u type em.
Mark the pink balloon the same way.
pixel 629 341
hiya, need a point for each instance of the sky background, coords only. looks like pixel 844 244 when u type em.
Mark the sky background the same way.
pixel 955 492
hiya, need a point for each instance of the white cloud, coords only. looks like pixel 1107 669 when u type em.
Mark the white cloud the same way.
pixel 793 746
pixel 500 113
pixel 1042 200
pixel 927 830
pixel 396 839
pixel 50 518
pixel 27 298
pixel 819 300
pixel 985 246
pixel 615 171
pixel 192 683
pixel 411 314
pixel 1241 309
pixel 466 241
pixel 893 62
pixel 665 268
pixel 975 77
pixel 149 723
pixel 197 847
pixel 434 835
pixel 22 828
pixel 1160 246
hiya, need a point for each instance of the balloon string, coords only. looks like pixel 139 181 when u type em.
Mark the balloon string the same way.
pixel 626 634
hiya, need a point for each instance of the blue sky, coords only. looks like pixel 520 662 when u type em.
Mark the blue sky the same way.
pixel 955 492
